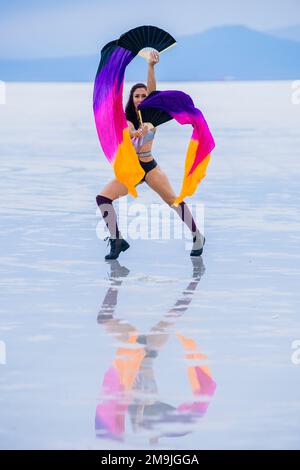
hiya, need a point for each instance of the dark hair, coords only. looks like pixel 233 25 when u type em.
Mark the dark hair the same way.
pixel 130 111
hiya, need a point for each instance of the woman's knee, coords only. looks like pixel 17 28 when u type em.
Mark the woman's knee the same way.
pixel 105 196
pixel 103 201
pixel 113 190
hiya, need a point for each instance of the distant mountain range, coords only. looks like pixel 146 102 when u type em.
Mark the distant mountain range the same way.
pixel 220 53
pixel 291 32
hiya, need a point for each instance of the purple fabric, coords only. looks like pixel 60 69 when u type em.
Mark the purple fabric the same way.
pixel 181 107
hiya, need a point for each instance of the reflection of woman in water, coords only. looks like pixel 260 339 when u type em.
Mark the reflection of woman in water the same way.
pixel 129 385
pixel 142 137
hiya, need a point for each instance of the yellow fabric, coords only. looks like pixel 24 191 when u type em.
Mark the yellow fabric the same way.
pixel 190 182
pixel 193 377
pixel 127 363
pixel 127 167
pixel 190 347
pixel 128 170
pixel 187 343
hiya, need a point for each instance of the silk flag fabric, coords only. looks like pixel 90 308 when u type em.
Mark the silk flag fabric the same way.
pixel 181 107
pixel 113 130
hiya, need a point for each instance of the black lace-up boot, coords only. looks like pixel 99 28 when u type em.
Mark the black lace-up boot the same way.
pixel 116 246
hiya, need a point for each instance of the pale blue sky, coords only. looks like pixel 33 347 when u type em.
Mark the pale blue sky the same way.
pixel 75 27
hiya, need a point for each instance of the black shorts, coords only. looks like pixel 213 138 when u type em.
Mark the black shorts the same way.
pixel 147 166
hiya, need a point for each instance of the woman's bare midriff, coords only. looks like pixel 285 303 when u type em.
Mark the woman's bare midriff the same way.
pixel 147 147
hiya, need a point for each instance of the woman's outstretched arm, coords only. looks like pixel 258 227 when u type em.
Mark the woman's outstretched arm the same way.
pixel 151 83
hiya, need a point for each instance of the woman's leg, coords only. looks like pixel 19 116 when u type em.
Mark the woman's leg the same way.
pixel 113 190
pixel 159 182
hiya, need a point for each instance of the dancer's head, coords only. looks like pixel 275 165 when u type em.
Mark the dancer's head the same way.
pixel 137 94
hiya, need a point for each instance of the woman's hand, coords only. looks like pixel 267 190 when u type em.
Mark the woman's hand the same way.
pixel 154 58
pixel 142 131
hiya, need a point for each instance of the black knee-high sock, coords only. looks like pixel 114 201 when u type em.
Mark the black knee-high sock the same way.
pixel 109 215
pixel 186 216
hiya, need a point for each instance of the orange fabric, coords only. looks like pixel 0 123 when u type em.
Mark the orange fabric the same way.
pixel 190 182
pixel 127 363
pixel 127 167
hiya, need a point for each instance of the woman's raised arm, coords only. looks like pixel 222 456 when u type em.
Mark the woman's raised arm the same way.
pixel 151 83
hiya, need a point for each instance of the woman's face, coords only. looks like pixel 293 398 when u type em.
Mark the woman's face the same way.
pixel 138 96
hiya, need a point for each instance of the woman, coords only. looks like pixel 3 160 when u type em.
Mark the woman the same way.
pixel 142 138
